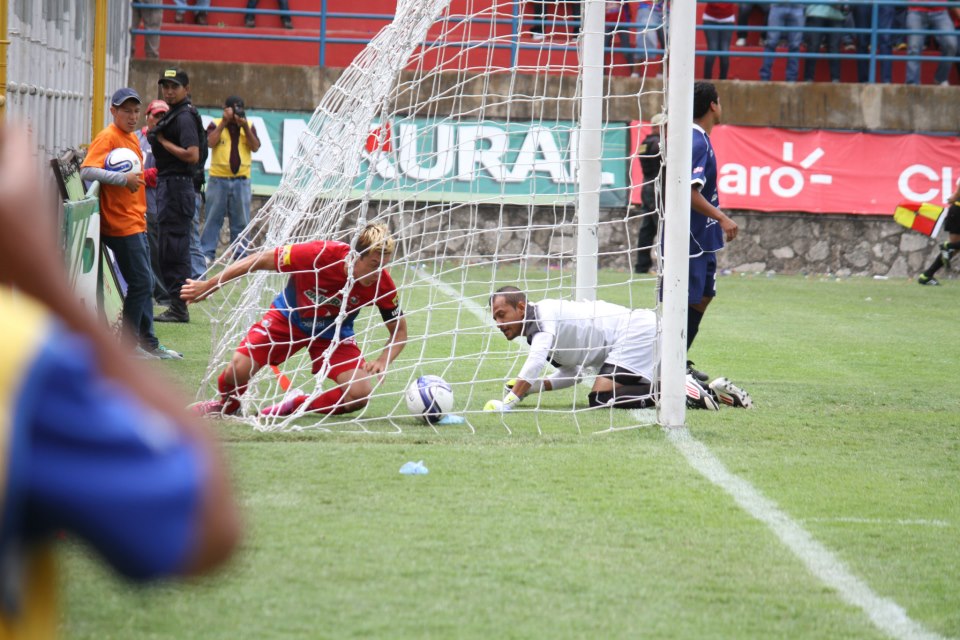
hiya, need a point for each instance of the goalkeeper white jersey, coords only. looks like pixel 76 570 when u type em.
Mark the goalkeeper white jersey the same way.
pixel 574 335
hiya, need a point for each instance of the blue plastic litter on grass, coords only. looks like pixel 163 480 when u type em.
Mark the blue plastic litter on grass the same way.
pixel 414 469
pixel 451 418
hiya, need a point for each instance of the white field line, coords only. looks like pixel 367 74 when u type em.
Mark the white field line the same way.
pixel 904 522
pixel 885 614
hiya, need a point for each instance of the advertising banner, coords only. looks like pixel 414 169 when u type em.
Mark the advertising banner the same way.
pixel 515 162
pixel 767 169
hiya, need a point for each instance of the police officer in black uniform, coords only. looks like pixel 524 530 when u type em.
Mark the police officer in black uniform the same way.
pixel 176 150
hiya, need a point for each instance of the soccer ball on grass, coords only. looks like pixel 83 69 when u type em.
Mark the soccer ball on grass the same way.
pixel 429 398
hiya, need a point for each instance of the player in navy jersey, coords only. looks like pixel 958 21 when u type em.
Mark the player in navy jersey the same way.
pixel 709 226
pixel 91 442
pixel 325 278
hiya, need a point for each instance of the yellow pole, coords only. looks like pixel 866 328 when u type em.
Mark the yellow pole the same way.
pixel 4 48
pixel 99 67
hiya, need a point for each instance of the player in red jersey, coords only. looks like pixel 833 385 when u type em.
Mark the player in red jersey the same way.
pixel 306 314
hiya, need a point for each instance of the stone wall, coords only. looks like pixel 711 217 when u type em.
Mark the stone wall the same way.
pixel 835 244
pixel 788 243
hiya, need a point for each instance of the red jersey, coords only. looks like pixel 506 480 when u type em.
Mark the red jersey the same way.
pixel 317 289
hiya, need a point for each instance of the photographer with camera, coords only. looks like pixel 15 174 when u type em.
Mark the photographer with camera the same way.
pixel 232 140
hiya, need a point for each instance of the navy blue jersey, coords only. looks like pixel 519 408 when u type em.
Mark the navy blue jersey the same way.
pixel 85 456
pixel 705 233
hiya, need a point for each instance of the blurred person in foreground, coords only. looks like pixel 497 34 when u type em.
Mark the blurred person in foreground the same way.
pixel 91 443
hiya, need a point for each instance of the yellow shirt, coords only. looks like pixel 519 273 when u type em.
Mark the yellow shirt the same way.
pixel 220 155
pixel 22 328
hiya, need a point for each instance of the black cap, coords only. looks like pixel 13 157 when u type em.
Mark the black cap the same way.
pixel 122 95
pixel 234 101
pixel 174 75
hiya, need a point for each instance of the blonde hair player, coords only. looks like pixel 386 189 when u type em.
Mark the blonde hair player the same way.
pixel 325 276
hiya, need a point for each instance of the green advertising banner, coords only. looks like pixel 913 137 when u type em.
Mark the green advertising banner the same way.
pixel 444 161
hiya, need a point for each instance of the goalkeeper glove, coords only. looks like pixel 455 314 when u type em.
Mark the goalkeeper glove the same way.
pixel 496 405
pixel 507 404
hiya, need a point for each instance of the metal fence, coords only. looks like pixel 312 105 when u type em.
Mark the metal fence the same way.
pixel 870 34
pixel 50 67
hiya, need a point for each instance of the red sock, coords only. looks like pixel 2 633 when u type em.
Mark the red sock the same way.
pixel 230 393
pixel 327 402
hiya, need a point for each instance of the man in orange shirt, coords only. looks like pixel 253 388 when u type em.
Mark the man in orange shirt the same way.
pixel 123 219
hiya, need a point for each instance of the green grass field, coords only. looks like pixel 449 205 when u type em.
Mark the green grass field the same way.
pixel 853 450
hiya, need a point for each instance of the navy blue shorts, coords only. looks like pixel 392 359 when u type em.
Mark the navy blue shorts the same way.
pixel 703 278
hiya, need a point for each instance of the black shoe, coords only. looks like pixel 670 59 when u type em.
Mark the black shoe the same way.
pixel 287 22
pixel 924 279
pixel 171 316
pixel 250 21
pixel 200 18
pixel 699 375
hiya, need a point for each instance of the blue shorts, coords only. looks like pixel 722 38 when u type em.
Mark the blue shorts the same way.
pixel 703 278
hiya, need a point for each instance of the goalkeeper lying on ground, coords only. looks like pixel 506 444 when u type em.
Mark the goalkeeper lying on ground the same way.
pixel 305 315
pixel 620 343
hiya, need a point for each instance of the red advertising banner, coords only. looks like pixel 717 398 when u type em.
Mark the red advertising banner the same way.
pixel 767 169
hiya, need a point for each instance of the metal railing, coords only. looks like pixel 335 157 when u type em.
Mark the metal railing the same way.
pixel 518 22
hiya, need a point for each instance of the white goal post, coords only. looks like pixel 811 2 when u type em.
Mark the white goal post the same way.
pixel 496 155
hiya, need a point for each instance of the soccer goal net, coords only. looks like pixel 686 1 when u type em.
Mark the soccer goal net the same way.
pixel 499 145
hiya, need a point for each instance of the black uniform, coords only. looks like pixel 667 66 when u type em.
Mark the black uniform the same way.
pixel 649 154
pixel 176 203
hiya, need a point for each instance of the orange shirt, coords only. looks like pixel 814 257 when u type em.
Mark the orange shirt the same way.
pixel 121 213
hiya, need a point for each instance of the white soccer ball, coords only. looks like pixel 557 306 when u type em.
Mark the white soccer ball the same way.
pixel 429 398
pixel 123 160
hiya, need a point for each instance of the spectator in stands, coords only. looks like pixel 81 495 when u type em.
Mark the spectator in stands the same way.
pixel 919 17
pixel 123 219
pixel 155 111
pixel 91 443
pixel 652 28
pixel 538 16
pixel 151 19
pixel 573 17
pixel 176 147
pixel 284 5
pixel 617 17
pixel 199 11
pixel 829 19
pixel 743 19
pixel 862 14
pixel 718 40
pixel 784 21
pixel 232 139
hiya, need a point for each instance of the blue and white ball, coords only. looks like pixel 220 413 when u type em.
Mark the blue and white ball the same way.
pixel 123 160
pixel 429 398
